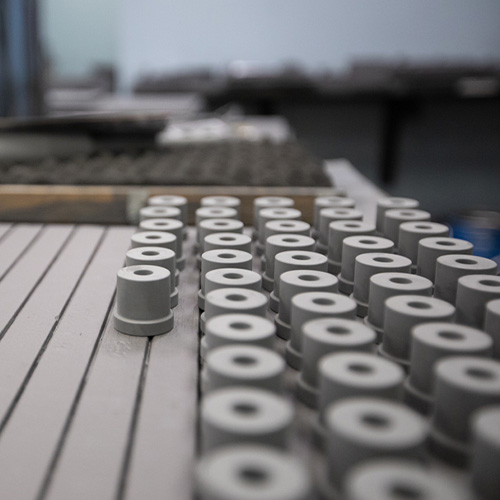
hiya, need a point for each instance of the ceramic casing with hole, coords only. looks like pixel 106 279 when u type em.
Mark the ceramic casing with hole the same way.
pixel 299 281
pixel 337 232
pixel 324 336
pixel 143 301
pixel 312 305
pixel 352 246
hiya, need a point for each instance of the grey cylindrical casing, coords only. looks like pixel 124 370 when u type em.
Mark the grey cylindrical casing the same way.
pixel 355 374
pixel 369 264
pixel 463 385
pixel 230 241
pixel 492 325
pixel 393 219
pixel 143 301
pixel 282 243
pixel 155 239
pixel 172 226
pixel 401 314
pixel 364 428
pixel 269 214
pixel 204 213
pixel 269 202
pixel 352 246
pixel 239 328
pixel 449 268
pixel 294 260
pixel 299 281
pixel 244 365
pixel 486 453
pixel 385 204
pixel 232 277
pixel 329 215
pixel 222 201
pixel 429 249
pixel 386 285
pixel 410 233
pixel 244 415
pixel 233 300
pixel 159 213
pixel 322 202
pixel 393 479
pixel 473 293
pixel 337 232
pixel 251 471
pixel 324 336
pixel 218 259
pixel 211 226
pixel 312 305
pixel 171 201
pixel 156 256
pixel 431 342
pixel 287 227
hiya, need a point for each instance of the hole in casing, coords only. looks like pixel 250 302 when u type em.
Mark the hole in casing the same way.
pixel 253 475
pixel 143 272
pixel 419 305
pixel 383 260
pixel 322 301
pixel 400 281
pixel 301 257
pixel 245 408
pixel 406 492
pixel 360 368
pixel 449 335
pixel 240 325
pixel 480 373
pixel 491 283
pixel 375 420
pixel 466 262
pixel 244 360
pixel 232 276
pixel 234 297
pixel 308 277
pixel 338 330
pixel 227 255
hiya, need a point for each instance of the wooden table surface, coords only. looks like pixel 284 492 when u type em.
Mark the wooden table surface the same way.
pixel 86 412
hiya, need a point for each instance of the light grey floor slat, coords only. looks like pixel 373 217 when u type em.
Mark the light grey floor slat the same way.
pixel 23 277
pixel 95 446
pixel 4 227
pixel 15 242
pixel 23 340
pixel 164 447
pixel 32 433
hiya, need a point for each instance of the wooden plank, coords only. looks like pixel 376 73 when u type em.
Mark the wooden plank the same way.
pixel 19 283
pixel 119 204
pixel 96 444
pixel 25 337
pixel 164 447
pixel 14 243
pixel 32 437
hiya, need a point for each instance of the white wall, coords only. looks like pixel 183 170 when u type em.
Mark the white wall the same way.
pixel 156 35
pixel 78 34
